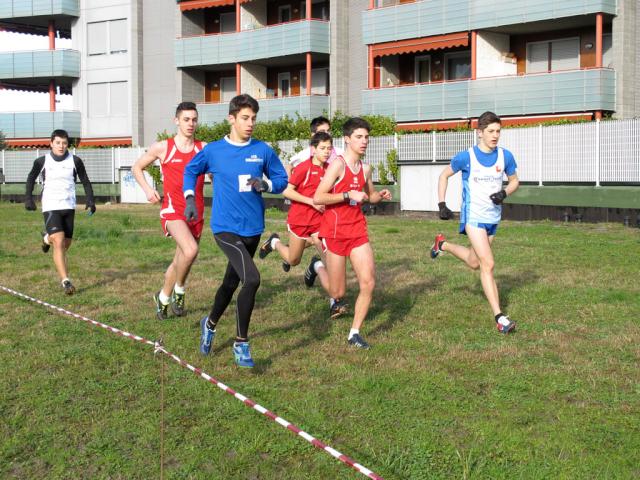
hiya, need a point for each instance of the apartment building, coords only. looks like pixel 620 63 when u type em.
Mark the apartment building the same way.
pixel 439 63
pixel 100 70
pixel 429 64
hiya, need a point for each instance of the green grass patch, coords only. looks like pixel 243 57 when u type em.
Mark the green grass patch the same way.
pixel 440 395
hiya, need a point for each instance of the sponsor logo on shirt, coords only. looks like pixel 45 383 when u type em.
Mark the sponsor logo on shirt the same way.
pixel 254 159
pixel 176 160
pixel 484 179
pixel 498 169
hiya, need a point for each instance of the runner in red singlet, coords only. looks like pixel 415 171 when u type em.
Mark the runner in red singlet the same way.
pixel 345 186
pixel 174 154
pixel 303 220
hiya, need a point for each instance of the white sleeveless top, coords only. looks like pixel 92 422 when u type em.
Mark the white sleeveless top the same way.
pixel 59 190
pixel 483 182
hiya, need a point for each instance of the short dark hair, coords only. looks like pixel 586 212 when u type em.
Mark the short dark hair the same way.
pixel 486 119
pixel 353 124
pixel 316 122
pixel 239 102
pixel 60 134
pixel 185 106
pixel 320 137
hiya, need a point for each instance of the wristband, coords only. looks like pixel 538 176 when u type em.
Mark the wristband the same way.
pixel 345 197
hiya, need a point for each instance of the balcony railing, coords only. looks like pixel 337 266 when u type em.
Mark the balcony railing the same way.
pixel 436 17
pixel 271 108
pixel 40 64
pixel 37 8
pixel 39 124
pixel 268 42
pixel 546 93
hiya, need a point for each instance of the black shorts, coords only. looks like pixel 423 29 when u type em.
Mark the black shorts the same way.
pixel 56 221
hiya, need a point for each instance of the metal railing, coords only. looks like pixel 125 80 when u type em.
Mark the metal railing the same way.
pixel 593 153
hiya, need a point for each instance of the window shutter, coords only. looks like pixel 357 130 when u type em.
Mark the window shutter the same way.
pixel 537 57
pixel 97 38
pixel 118 38
pixel 565 54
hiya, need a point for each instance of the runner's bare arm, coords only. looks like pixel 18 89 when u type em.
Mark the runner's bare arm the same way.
pixel 374 195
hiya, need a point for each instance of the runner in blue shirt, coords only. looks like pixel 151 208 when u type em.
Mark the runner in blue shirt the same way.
pixel 242 169
pixel 483 169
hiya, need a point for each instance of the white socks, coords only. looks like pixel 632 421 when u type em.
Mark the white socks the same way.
pixel 165 300
pixel 45 239
pixel 317 266
pixel 273 242
pixel 178 289
pixel 352 332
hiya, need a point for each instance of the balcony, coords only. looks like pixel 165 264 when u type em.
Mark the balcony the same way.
pixel 10 9
pixel 268 42
pixel 436 17
pixel 271 108
pixel 39 124
pixel 40 64
pixel 546 93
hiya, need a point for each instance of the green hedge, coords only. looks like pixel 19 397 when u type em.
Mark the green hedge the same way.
pixel 288 128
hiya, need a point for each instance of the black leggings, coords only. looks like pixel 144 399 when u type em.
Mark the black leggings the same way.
pixel 241 268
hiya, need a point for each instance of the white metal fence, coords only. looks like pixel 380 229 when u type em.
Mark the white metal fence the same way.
pixel 595 153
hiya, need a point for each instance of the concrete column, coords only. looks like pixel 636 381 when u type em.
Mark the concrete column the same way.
pixel 599 40
pixel 309 71
pixel 626 58
pixel 238 75
pixel 371 64
pixel 52 83
pixel 238 15
pixel 52 35
pixel 52 95
pixel 474 54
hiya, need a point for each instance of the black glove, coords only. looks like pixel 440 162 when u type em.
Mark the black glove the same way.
pixel 91 207
pixel 258 184
pixel 190 212
pixel 498 197
pixel 445 213
pixel 29 204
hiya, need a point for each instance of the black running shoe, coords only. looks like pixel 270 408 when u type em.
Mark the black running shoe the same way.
pixel 337 308
pixel 357 341
pixel 177 303
pixel 266 249
pixel 310 273
pixel 286 267
pixel 45 246
pixel 161 309
pixel 69 289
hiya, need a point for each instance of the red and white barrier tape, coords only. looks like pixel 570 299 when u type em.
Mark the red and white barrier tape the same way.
pixel 158 347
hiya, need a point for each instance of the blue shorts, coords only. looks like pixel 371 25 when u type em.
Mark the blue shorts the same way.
pixel 491 228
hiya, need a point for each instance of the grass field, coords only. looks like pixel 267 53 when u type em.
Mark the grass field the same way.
pixel 441 394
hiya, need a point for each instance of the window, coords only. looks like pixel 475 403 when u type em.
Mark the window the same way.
pixel 227 22
pixel 319 81
pixel 108 37
pixel 607 51
pixel 97 38
pixel 563 54
pixel 457 65
pixel 319 9
pixel 118 36
pixel 284 13
pixel 284 84
pixel 422 69
pixel 227 88
pixel 107 99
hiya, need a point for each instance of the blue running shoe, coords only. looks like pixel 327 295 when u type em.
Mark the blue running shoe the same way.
pixel 206 337
pixel 242 354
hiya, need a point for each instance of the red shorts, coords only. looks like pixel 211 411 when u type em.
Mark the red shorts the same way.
pixel 304 232
pixel 343 246
pixel 194 227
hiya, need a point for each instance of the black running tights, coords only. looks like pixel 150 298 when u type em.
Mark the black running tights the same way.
pixel 241 268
